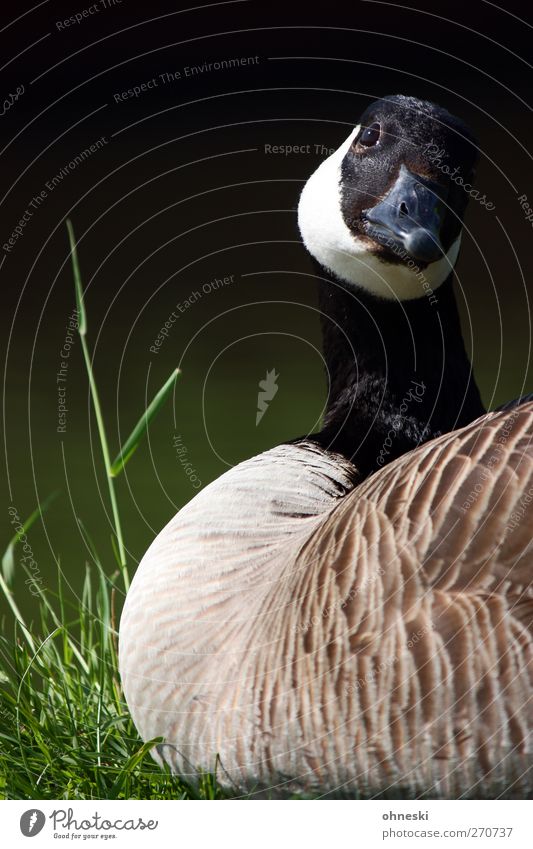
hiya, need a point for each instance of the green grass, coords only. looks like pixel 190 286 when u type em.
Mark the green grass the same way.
pixel 65 731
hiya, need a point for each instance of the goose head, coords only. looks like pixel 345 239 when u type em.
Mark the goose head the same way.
pixel 383 212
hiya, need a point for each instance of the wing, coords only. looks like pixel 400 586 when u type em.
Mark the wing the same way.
pixel 418 614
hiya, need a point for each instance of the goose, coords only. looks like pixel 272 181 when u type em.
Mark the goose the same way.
pixel 350 612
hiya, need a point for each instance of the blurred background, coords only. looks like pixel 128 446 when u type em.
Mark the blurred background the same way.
pixel 180 208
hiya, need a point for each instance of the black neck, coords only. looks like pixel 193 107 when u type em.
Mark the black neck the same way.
pixel 398 372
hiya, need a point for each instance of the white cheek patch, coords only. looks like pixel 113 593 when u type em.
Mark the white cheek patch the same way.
pixel 320 220
pixel 327 238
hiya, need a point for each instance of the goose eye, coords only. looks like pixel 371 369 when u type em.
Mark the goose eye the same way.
pixel 370 135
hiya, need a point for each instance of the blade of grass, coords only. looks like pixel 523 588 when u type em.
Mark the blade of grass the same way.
pixel 60 625
pixel 133 761
pixel 82 329
pixel 78 286
pixel 142 425
pixel 16 612
pixel 8 559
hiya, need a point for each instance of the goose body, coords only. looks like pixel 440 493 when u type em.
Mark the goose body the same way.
pixel 339 614
pixel 355 638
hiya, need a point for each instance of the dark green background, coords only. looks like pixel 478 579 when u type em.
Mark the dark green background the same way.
pixel 146 242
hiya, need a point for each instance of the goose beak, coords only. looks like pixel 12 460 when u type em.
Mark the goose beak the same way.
pixel 409 218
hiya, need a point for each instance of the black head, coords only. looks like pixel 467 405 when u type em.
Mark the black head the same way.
pixel 386 210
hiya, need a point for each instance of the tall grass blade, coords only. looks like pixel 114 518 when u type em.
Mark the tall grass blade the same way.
pixel 8 559
pixel 9 597
pixel 82 316
pixel 82 329
pixel 141 427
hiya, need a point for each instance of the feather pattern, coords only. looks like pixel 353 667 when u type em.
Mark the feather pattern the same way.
pixel 318 632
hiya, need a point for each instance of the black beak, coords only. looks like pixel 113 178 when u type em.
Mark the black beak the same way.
pixel 409 218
